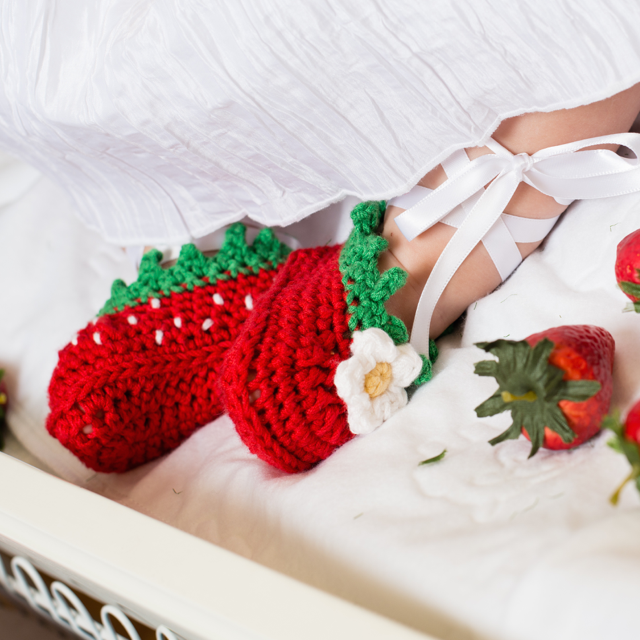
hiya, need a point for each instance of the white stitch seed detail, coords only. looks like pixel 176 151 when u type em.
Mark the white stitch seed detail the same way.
pixel 178 322
pixel 159 336
pixel 207 324
pixel 217 298
pixel 87 429
pixel 248 301
pixel 155 303
pixel 132 320
pixel 96 338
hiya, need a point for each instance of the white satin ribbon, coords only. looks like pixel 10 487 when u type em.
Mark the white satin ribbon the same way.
pixel 501 240
pixel 558 172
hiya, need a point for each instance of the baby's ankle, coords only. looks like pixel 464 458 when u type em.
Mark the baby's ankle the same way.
pixel 476 277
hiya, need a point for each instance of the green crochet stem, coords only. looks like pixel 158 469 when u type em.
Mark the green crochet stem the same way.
pixel 194 269
pixel 367 289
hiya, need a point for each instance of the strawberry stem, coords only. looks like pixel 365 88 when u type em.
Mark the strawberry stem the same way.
pixel 633 474
pixel 530 396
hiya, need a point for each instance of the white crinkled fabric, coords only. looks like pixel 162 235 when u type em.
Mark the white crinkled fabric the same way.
pixel 166 119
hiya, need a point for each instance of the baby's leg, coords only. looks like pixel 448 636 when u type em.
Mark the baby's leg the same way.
pixel 478 276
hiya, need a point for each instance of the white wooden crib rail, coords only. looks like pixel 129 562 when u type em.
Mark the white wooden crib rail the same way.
pixel 180 586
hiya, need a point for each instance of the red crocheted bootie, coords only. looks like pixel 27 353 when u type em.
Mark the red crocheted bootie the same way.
pixel 320 359
pixel 142 377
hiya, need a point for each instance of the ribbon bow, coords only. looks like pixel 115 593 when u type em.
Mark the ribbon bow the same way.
pixel 558 172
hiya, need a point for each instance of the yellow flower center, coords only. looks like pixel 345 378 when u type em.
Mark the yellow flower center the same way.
pixel 530 396
pixel 3 398
pixel 377 381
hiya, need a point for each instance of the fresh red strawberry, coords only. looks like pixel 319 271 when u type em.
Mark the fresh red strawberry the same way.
pixel 628 267
pixel 556 383
pixel 144 376
pixel 627 442
pixel 3 397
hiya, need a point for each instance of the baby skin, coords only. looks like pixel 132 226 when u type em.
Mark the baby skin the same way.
pixel 477 275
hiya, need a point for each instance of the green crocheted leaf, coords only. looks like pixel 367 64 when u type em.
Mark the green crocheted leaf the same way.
pixel 367 216
pixel 367 290
pixel 194 269
pixel 426 373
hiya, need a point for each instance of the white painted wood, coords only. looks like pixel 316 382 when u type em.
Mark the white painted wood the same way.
pixel 161 575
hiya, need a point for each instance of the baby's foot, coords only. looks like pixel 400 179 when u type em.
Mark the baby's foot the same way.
pixel 142 377
pixel 476 277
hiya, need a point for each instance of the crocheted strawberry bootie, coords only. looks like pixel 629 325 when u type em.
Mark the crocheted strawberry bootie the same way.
pixel 142 377
pixel 320 359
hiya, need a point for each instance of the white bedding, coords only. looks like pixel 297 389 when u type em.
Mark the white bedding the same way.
pixel 485 544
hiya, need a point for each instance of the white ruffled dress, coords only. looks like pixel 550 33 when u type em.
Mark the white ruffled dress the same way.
pixel 166 119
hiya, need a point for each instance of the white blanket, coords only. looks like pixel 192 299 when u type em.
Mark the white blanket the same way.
pixel 484 544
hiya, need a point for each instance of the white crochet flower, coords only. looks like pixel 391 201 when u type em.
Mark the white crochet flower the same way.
pixel 372 382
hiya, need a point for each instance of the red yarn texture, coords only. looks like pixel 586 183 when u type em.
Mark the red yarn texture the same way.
pixel 277 380
pixel 128 400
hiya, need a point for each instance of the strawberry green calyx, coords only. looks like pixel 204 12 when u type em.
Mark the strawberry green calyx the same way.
pixel 194 269
pixel 531 389
pixel 633 291
pixel 621 444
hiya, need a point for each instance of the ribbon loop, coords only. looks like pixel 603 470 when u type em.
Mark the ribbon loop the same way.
pixel 565 172
pixel 522 163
